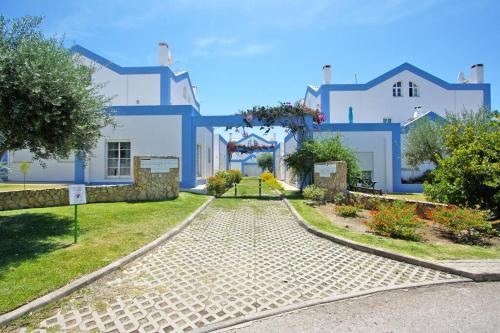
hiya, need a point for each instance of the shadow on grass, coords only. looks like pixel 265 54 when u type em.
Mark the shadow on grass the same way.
pixel 26 236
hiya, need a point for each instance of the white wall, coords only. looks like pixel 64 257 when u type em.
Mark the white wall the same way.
pixel 54 170
pixel 366 144
pixel 181 93
pixel 313 102
pixel 222 154
pixel 126 89
pixel 235 166
pixel 148 135
pixel 204 138
pixel 377 103
pixel 289 146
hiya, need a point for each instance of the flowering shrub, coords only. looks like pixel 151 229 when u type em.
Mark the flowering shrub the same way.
pixel 216 185
pixel 314 193
pixel 236 175
pixel 230 176
pixel 347 211
pixel 397 220
pixel 339 198
pixel 272 182
pixel 464 225
pixel 266 176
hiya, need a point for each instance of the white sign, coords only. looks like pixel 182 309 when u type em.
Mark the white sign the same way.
pixel 325 170
pixel 77 195
pixel 159 165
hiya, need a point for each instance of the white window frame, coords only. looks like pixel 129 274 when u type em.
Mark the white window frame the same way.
pixel 119 176
pixel 387 120
pixel 397 89
pixel 413 90
pixel 198 160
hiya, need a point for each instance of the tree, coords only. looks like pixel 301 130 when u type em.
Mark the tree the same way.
pixel 265 161
pixel 48 103
pixel 301 162
pixel 469 174
pixel 424 143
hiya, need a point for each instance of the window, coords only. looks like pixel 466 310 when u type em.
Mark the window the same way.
pixel 118 158
pixel 413 91
pixel 209 154
pixel 387 120
pixel 397 89
pixel 198 160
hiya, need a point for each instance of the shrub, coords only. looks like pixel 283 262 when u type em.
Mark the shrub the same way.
pixel 266 176
pixel 347 211
pixel 464 225
pixel 397 220
pixel 265 161
pixel 216 185
pixel 237 175
pixel 314 193
pixel 272 182
pixel 339 198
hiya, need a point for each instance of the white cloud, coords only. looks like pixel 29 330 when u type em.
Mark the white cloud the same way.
pixel 229 47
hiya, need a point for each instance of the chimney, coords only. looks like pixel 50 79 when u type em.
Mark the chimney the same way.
pixel 327 74
pixel 477 73
pixel 163 54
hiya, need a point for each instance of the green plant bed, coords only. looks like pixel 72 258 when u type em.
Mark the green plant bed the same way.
pixel 37 254
pixel 417 249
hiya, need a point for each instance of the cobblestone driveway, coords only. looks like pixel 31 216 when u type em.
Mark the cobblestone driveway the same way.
pixel 228 263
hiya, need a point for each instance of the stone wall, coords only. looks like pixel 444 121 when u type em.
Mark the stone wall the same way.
pixel 147 186
pixel 331 176
pixel 369 201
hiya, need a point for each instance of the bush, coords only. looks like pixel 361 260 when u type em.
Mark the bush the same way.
pixel 216 185
pixel 464 225
pixel 397 220
pixel 237 175
pixel 339 198
pixel 314 193
pixel 347 211
pixel 265 161
pixel 272 182
pixel 266 176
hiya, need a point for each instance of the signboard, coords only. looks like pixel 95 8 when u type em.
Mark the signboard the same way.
pixel 159 165
pixel 77 195
pixel 325 170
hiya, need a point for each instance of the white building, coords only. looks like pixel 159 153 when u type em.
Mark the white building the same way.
pixel 154 110
pixel 247 162
pixel 369 116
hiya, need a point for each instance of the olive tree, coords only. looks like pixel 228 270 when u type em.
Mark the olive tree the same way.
pixel 48 102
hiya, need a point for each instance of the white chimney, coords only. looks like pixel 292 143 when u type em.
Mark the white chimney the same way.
pixel 477 73
pixel 327 74
pixel 461 78
pixel 164 58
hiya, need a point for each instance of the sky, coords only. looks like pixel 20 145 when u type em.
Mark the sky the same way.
pixel 261 52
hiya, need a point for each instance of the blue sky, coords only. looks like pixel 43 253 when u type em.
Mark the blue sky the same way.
pixel 244 53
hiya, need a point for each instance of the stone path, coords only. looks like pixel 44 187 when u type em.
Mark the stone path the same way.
pixel 226 264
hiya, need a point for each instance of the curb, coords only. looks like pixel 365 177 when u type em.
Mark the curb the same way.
pixel 312 303
pixel 91 277
pixel 477 277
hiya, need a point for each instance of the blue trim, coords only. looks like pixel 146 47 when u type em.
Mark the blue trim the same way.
pixel 222 139
pixel 431 115
pixel 253 135
pixel 79 168
pixel 188 152
pixel 394 128
pixel 325 96
pixel 165 73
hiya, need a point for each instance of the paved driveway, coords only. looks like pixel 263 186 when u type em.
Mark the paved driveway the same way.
pixel 229 263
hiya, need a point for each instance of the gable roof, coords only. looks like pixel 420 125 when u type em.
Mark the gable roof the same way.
pixel 485 87
pixel 162 70
pixel 256 137
pixel 430 115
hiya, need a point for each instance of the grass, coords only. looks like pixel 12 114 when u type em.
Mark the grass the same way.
pixel 422 250
pixel 249 187
pixel 5 187
pixel 36 250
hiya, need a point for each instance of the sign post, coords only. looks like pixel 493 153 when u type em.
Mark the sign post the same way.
pixel 77 196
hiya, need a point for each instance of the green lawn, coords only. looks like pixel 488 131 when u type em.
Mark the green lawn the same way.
pixel 36 250
pixel 422 250
pixel 249 187
pixel 4 187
